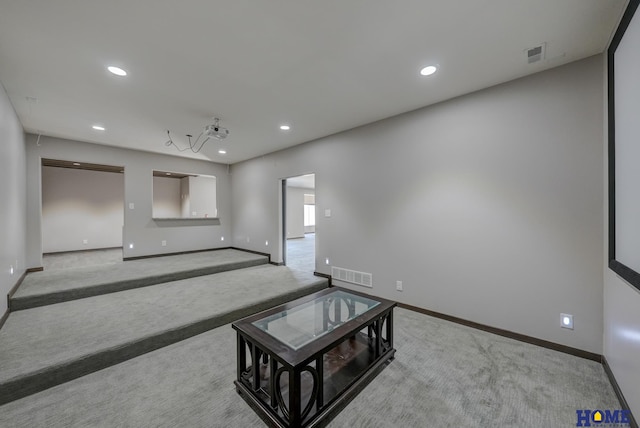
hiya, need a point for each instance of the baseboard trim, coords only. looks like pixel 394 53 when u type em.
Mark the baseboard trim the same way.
pixel 13 290
pixel 616 388
pixel 150 256
pixel 35 269
pixel 276 263
pixel 17 285
pixel 510 334
pixel 4 318
pixel 260 253
pixel 10 295
pixel 52 253
pixel 324 275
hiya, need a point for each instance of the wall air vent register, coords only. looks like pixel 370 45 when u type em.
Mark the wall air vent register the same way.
pixel 352 276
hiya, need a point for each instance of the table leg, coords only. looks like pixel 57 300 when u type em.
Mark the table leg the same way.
pixel 294 398
pixel 242 356
pixel 390 329
pixel 320 371
pixel 273 367
pixel 377 325
pixel 255 361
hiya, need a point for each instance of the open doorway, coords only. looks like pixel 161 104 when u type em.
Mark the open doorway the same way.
pixel 82 214
pixel 299 222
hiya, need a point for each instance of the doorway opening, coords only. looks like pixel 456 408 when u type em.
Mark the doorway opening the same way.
pixel 82 214
pixel 299 222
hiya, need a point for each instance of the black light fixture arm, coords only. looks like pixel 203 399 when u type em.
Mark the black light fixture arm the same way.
pixel 192 144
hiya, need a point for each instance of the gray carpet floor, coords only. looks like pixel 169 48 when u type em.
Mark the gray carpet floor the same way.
pixel 301 253
pixel 58 280
pixel 444 375
pixel 82 258
pixel 34 339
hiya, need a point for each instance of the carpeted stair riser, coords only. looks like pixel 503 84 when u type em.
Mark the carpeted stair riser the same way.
pixel 27 302
pixel 23 386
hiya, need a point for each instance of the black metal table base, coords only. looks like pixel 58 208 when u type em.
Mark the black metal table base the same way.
pixel 311 393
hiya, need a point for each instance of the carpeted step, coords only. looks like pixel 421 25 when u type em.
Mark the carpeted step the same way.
pixel 49 345
pixel 50 287
pixel 443 375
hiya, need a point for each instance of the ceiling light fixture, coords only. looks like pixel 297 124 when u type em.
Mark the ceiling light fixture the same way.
pixel 98 127
pixel 428 70
pixel 117 70
pixel 216 131
pixel 285 127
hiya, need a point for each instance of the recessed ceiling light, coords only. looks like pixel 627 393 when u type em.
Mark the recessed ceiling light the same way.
pixel 222 152
pixel 117 70
pixel 285 127
pixel 76 164
pixel 98 127
pixel 428 70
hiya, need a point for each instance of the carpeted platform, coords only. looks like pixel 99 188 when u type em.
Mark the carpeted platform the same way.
pixel 55 286
pixel 45 346
pixel 443 375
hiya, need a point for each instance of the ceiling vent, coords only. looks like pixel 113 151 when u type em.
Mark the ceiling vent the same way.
pixel 535 54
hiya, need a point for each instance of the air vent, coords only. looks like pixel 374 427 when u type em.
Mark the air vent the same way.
pixel 352 276
pixel 535 54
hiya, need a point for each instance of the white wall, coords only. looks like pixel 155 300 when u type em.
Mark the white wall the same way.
pixel 185 197
pixel 13 197
pixel 166 197
pixel 488 206
pixel 295 212
pixel 139 227
pixel 79 205
pixel 622 336
pixel 202 196
pixel 621 316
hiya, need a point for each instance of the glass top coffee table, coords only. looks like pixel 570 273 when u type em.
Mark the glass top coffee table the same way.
pixel 300 363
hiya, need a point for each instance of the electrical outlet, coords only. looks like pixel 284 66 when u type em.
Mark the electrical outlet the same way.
pixel 131 206
pixel 399 285
pixel 164 243
pixel 85 241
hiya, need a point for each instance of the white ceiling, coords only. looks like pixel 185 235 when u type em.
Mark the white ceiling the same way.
pixel 320 66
